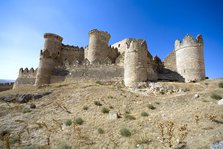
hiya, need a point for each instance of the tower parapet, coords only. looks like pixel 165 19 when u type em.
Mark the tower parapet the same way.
pixel 190 58
pixel 98 46
pixel 48 57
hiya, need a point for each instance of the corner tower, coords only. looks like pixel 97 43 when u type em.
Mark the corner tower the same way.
pixel 190 58
pixel 48 58
pixel 98 46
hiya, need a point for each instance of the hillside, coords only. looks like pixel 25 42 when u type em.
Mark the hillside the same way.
pixel 180 115
pixel 6 81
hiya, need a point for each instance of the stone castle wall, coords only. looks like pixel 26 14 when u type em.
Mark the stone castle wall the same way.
pixel 70 55
pixel 127 60
pixel 96 72
pixel 48 57
pixel 190 58
pixel 98 46
pixel 26 77
pixel 137 66
pixel 170 61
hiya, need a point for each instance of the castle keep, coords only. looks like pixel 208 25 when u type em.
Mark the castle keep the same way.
pixel 127 60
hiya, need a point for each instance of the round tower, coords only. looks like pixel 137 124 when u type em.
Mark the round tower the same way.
pixel 98 46
pixel 190 58
pixel 48 56
pixel 137 66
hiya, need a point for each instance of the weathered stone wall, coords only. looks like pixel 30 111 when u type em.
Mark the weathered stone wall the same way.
pixel 26 77
pixel 71 55
pixel 48 58
pixel 170 61
pixel 5 86
pixel 190 58
pixel 98 46
pixel 96 72
pixel 122 45
pixel 137 66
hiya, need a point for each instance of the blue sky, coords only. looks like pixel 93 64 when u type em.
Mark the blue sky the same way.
pixel 160 22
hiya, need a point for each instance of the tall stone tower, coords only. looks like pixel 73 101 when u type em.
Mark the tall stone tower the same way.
pixel 98 46
pixel 48 58
pixel 136 63
pixel 190 58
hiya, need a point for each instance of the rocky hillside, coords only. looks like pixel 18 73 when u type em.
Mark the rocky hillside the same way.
pixel 96 115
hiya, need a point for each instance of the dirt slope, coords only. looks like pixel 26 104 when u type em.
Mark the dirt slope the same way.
pixel 178 119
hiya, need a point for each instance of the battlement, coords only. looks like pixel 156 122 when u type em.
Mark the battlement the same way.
pixel 53 36
pixel 103 34
pixel 27 72
pixel 189 41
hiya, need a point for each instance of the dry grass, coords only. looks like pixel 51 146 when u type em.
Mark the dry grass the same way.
pixel 180 116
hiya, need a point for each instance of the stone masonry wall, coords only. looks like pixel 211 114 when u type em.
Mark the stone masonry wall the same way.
pixel 190 58
pixel 170 61
pixel 136 63
pixel 98 46
pixel 71 55
pixel 48 58
pixel 26 77
pixel 96 72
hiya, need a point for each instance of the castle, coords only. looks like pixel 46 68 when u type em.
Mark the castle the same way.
pixel 127 60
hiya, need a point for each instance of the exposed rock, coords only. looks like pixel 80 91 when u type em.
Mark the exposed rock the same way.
pixel 113 115
pixel 220 102
pixel 196 95
pixel 32 106
pixel 23 98
pixel 8 98
pixel 217 145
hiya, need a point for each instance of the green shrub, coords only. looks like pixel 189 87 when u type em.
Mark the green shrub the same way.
pixel 110 97
pixel 3 133
pixel 220 84
pixel 105 110
pixel 125 132
pixel 68 122
pixel 97 103
pixel 79 121
pixel 64 146
pixel 85 107
pixel 150 106
pixel 144 114
pixel 216 96
pixel 129 117
pixel 100 131
pixel 26 110
pixel 99 82
pixel 111 107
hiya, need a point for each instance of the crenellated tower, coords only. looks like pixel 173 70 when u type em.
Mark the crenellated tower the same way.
pixel 98 49
pixel 137 66
pixel 48 58
pixel 190 58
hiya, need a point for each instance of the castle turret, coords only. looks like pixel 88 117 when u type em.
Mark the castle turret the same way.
pixel 137 66
pixel 48 57
pixel 190 58
pixel 98 46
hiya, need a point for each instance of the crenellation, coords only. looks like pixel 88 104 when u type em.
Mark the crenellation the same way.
pixel 128 60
